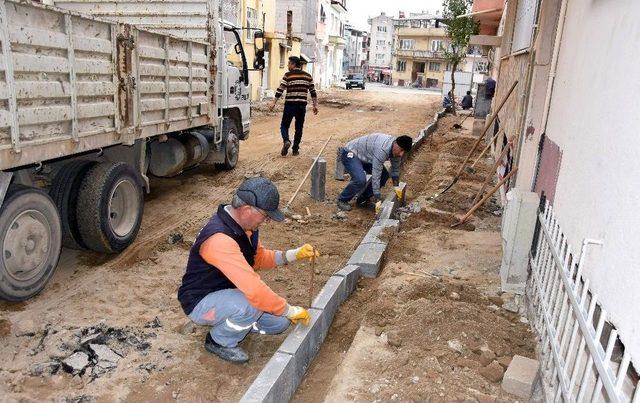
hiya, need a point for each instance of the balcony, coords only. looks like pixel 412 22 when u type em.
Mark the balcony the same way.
pixel 418 54
pixel 337 40
pixel 488 13
pixel 340 5
pixel 422 32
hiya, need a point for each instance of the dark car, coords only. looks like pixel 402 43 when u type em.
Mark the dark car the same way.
pixel 354 80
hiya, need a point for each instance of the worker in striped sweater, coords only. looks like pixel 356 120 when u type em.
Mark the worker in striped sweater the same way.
pixel 296 82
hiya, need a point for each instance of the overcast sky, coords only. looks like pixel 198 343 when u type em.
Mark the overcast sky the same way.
pixel 361 10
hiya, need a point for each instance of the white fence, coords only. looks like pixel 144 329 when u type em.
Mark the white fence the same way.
pixel 463 82
pixel 574 365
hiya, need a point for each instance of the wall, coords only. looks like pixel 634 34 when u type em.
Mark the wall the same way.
pixel 594 119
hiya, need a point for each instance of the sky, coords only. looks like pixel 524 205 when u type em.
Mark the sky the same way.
pixel 360 10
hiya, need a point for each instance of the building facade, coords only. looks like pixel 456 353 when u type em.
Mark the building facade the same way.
pixel 356 52
pixel 380 48
pixel 574 131
pixel 418 57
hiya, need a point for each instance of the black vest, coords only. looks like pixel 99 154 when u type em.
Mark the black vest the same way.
pixel 202 278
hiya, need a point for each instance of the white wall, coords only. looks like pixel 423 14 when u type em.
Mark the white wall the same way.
pixel 376 36
pixel 595 120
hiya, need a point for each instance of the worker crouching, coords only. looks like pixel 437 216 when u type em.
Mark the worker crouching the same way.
pixel 221 288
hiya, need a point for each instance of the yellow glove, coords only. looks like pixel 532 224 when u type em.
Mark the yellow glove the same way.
pixel 398 191
pixel 298 314
pixel 306 251
pixel 378 207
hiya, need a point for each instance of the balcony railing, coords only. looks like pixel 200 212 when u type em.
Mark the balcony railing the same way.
pixel 418 54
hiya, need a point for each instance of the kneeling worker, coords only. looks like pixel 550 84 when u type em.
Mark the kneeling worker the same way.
pixel 367 155
pixel 221 288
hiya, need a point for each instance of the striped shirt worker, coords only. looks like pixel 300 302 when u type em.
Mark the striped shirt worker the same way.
pixel 296 83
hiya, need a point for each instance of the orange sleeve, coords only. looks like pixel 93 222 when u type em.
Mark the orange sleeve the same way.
pixel 223 252
pixel 265 258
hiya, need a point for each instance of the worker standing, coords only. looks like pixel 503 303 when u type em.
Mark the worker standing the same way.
pixel 296 82
pixel 221 288
pixel 367 155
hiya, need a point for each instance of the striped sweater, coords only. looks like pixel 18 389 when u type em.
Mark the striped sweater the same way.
pixel 296 83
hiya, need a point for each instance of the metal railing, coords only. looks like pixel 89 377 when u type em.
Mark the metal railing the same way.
pixel 573 362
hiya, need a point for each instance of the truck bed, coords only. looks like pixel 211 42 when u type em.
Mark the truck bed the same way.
pixel 71 83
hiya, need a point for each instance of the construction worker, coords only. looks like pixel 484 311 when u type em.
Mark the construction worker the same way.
pixel 296 82
pixel 367 155
pixel 221 288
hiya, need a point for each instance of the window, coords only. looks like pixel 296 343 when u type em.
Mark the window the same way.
pixel 436 45
pixel 323 16
pixel 434 66
pixel 401 65
pixel 381 43
pixel 252 22
pixel 407 44
pixel 382 29
pixel 282 57
pixel 379 56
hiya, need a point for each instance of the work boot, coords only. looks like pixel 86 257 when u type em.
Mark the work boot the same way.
pixel 296 151
pixel 344 206
pixel 367 203
pixel 232 354
pixel 285 148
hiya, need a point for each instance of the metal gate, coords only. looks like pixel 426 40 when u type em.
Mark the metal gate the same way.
pixel 574 364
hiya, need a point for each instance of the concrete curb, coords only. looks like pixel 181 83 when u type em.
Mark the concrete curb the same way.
pixel 281 376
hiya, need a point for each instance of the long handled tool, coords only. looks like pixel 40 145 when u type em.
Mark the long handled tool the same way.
pixel 312 277
pixel 484 199
pixel 501 131
pixel 504 152
pixel 475 146
pixel 459 125
pixel 307 175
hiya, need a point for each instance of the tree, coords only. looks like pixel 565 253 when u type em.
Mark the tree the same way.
pixel 459 30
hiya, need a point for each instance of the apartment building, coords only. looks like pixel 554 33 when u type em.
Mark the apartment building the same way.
pixel 418 57
pixel 380 48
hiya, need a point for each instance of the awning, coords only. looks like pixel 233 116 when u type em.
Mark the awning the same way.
pixel 386 71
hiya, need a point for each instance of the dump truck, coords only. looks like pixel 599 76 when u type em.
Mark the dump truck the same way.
pixel 96 96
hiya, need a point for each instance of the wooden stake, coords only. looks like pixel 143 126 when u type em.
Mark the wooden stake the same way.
pixel 308 172
pixel 484 199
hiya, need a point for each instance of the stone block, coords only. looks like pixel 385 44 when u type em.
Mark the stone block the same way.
pixel 330 296
pixel 369 258
pixel 431 128
pixel 304 342
pixel 521 376
pixel 351 276
pixel 378 228
pixel 318 180
pixel 339 171
pixel 275 383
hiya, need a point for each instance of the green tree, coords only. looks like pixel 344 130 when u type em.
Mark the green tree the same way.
pixel 459 30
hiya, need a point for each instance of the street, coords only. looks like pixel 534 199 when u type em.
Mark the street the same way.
pixel 128 301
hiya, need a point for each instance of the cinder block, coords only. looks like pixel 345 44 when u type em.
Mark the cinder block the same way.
pixel 351 276
pixel 331 296
pixel 304 342
pixel 276 382
pixel 521 376
pixel 369 258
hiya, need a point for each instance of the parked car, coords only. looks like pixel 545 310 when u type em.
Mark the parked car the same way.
pixel 355 80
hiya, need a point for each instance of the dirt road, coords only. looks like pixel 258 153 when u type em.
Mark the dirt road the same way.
pixel 127 302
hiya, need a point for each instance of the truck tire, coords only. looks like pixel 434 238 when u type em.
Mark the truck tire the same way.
pixel 31 240
pixel 64 192
pixel 230 144
pixel 110 206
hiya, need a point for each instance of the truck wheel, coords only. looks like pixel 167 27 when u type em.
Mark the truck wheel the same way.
pixel 110 206
pixel 64 192
pixel 31 239
pixel 231 144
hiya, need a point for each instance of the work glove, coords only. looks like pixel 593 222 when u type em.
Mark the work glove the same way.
pixel 378 207
pixel 398 191
pixel 298 314
pixel 306 251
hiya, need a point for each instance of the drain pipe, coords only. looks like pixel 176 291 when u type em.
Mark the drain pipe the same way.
pixel 552 76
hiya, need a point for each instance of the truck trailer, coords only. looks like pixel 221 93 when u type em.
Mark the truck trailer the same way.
pixel 96 96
